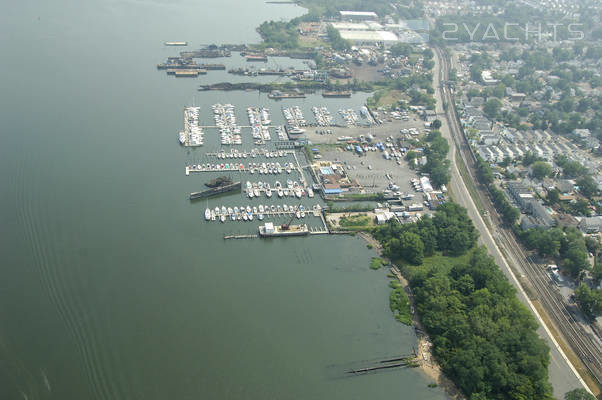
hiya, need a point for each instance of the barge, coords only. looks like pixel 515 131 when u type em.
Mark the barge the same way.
pixel 271 230
pixel 176 43
pixel 276 94
pixel 257 57
pixel 236 186
pixel 343 93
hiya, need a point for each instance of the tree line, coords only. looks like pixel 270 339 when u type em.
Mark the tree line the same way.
pixel 483 338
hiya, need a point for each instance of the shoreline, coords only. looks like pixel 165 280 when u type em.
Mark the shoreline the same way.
pixel 424 357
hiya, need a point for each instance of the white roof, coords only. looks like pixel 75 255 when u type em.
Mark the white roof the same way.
pixel 368 36
pixel 357 26
pixel 358 14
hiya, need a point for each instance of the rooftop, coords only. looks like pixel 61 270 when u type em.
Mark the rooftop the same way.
pixel 364 14
pixel 369 36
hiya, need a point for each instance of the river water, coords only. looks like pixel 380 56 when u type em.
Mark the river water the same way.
pixel 111 285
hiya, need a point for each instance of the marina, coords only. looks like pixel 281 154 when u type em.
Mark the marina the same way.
pixel 123 276
pixel 192 135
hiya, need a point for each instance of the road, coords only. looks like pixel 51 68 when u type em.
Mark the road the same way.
pixel 504 249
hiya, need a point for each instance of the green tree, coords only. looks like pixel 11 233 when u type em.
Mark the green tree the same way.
pixel 436 124
pixel 590 301
pixel 401 49
pixel 510 214
pixel 492 107
pixel 587 186
pixel 411 248
pixel 579 394
pixel 541 169
pixel 456 233
pixel 581 207
pixel 553 196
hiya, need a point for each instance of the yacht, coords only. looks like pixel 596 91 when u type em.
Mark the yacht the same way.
pixel 207 214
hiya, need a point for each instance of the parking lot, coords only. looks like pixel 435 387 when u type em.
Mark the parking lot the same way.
pixel 371 170
pixel 379 132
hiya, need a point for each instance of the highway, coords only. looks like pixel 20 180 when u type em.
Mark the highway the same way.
pixel 506 252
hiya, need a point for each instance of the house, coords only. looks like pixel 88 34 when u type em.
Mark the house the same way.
pixel 591 224
pixel 582 133
pixel 521 194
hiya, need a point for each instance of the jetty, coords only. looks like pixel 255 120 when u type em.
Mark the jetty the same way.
pixel 240 237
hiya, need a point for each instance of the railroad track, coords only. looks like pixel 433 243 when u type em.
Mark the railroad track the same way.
pixel 586 347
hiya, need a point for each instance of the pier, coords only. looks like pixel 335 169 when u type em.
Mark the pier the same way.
pixel 241 236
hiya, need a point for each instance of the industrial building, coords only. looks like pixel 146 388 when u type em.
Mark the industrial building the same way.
pixel 358 15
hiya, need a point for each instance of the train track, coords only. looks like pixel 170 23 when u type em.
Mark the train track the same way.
pixel 586 347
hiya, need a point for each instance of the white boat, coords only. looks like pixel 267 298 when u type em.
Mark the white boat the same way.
pixel 245 217
pixel 310 192
pixel 261 208
pixel 302 214
pixel 250 217
pixel 298 214
pixel 280 193
pixel 207 214
pixel 285 207
pixel 256 192
pixel 248 209
pixel 222 218
pixel 250 193
pixel 268 193
pixel 260 217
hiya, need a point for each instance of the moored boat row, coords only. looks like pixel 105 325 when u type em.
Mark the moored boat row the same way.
pixel 249 213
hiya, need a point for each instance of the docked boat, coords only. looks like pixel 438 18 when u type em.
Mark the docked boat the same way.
pixel 224 186
pixel 207 214
pixel 270 230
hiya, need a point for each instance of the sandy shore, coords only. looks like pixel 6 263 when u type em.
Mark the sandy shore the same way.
pixel 427 364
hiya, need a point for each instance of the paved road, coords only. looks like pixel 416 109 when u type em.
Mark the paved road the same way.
pixel 563 376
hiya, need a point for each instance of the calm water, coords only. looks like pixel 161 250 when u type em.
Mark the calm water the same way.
pixel 111 286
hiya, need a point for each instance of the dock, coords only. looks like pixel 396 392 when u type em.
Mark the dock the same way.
pixel 241 237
